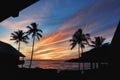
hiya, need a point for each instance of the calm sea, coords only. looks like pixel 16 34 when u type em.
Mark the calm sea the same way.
pixel 59 65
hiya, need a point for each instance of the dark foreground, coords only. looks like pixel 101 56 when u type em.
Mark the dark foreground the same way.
pixel 51 74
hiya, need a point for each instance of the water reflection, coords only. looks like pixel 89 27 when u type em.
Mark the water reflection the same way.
pixel 59 65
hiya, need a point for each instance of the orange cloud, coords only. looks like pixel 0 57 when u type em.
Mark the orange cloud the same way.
pixel 54 49
pixel 53 46
pixel 54 39
pixel 57 55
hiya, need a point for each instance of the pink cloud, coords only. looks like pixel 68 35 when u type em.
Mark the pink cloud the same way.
pixel 15 25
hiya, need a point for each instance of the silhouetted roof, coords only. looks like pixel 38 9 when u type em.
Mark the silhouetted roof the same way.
pixel 116 37
pixel 6 48
pixel 97 54
pixel 12 8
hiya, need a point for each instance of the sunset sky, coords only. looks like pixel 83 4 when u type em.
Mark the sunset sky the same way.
pixel 59 19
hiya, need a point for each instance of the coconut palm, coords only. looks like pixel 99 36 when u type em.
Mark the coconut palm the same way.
pixel 36 33
pixel 81 39
pixel 19 36
pixel 99 42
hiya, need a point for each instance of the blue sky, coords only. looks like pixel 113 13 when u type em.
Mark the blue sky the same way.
pixel 59 19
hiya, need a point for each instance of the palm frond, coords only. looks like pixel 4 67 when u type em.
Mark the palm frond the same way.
pixel 34 25
pixel 38 34
pixel 92 45
pixel 82 45
pixel 13 34
pixel 16 33
pixel 38 38
pixel 71 40
pixel 73 45
pixel 29 32
pixel 40 30
pixel 93 42
pixel 25 41
pixel 29 27
pixel 19 36
pixel 16 41
pixel 12 39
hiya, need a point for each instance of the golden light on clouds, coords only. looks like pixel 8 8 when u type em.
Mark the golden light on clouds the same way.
pixel 56 45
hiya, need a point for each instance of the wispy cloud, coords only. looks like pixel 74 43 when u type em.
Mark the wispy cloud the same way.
pixel 40 13
pixel 15 25
pixel 92 19
pixel 29 15
pixel 6 38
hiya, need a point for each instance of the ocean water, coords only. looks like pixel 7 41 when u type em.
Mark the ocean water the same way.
pixel 56 64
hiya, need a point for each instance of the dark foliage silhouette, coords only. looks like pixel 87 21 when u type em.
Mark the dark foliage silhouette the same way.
pixel 81 39
pixel 99 42
pixel 19 36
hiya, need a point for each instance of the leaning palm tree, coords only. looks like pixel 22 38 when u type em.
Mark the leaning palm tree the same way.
pixel 33 29
pixel 19 36
pixel 81 39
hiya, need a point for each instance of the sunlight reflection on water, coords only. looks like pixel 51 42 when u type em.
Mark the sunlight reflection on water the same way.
pixel 59 65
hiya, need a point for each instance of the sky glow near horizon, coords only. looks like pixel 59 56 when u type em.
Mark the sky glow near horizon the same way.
pixel 59 19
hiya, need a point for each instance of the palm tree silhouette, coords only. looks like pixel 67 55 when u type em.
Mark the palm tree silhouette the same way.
pixel 33 29
pixel 81 39
pixel 98 42
pixel 19 36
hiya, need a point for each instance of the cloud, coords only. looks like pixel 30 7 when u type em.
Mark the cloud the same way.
pixel 15 25
pixel 40 13
pixel 29 15
pixel 55 38
pixel 6 38
pixel 57 55
pixel 93 19
pixel 53 44
pixel 55 49
pixel 108 33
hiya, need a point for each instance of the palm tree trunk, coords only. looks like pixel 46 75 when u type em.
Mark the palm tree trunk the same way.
pixel 81 51
pixel 78 56
pixel 32 52
pixel 19 50
pixel 19 46
pixel 81 55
